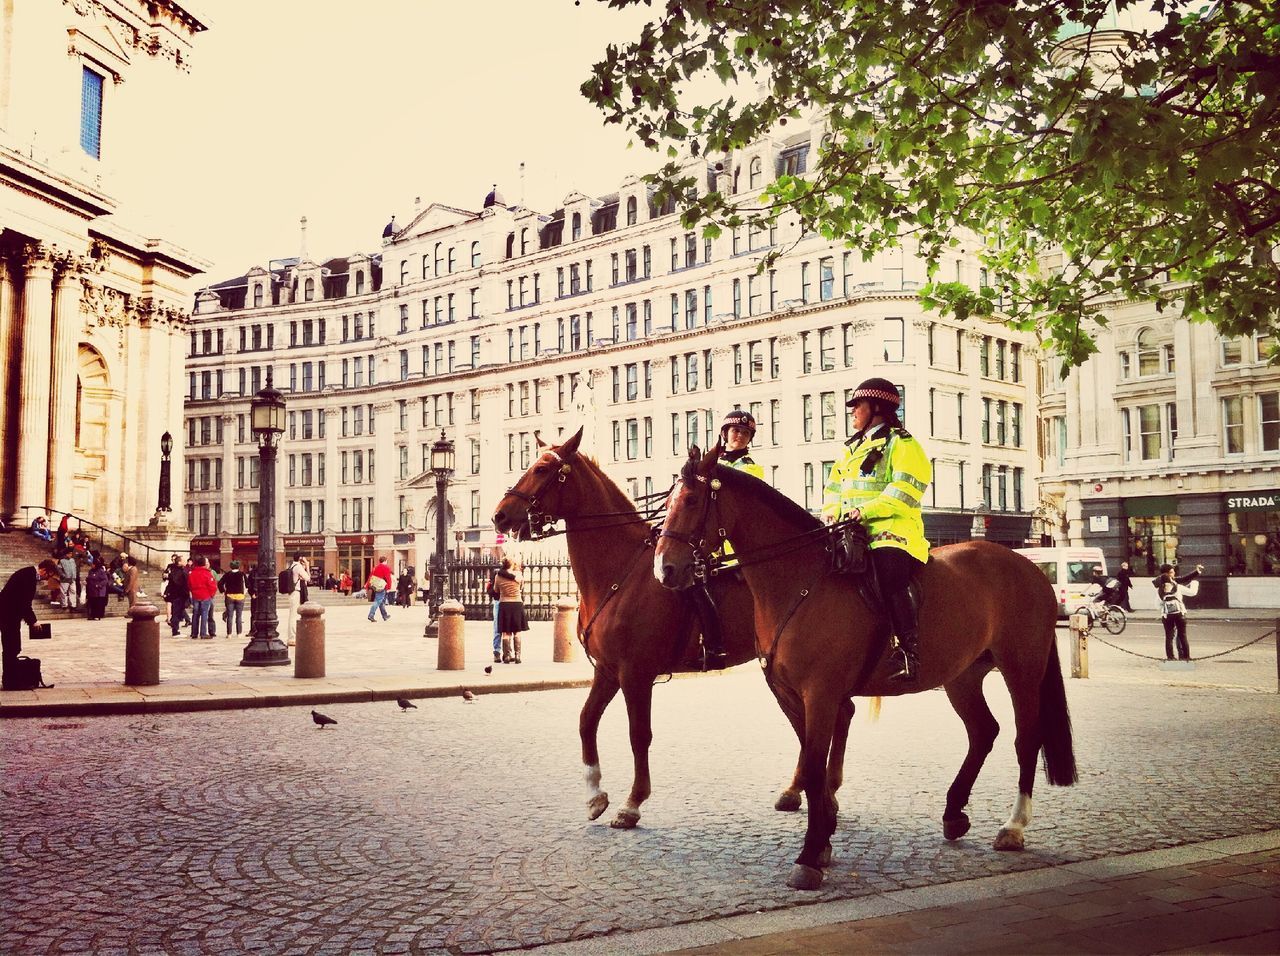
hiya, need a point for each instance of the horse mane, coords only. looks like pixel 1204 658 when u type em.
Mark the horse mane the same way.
pixel 609 484
pixel 773 499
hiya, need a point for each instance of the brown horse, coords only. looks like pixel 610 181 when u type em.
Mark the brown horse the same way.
pixel 984 607
pixel 634 630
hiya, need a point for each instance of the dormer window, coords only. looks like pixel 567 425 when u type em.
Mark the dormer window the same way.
pixel 631 210
pixel 308 290
pixel 257 295
pixel 576 232
pixel 359 282
pixel 756 174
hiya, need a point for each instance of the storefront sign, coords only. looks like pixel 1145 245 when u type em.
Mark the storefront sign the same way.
pixel 1099 524
pixel 355 539
pixel 244 544
pixel 304 541
pixel 205 544
pixel 1254 501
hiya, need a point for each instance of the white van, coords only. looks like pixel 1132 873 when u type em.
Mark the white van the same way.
pixel 1069 570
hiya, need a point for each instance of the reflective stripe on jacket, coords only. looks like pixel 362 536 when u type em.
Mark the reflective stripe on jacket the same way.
pixel 751 468
pixel 889 496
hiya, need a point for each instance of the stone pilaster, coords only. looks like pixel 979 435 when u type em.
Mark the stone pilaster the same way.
pixel 387 466
pixel 34 386
pixel 332 517
pixel 8 382
pixel 64 376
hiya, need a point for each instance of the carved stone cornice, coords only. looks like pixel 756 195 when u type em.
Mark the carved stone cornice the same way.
pixel 974 336
pixel 105 306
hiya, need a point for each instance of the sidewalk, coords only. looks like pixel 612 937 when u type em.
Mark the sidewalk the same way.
pixel 382 661
pixel 1221 896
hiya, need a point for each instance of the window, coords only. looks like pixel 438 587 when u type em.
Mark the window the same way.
pixel 308 290
pixel 1269 419
pixel 91 113
pixel 1149 431
pixel 1232 351
pixel 984 357
pixel 576 232
pixel 894 346
pixel 631 210
pixel 755 173
pixel 257 304
pixel 1233 422
pixel 475 255
pixel 826 279
pixel 828 415
pixel 1148 353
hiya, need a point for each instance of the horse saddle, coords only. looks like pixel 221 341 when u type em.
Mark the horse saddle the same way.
pixel 851 555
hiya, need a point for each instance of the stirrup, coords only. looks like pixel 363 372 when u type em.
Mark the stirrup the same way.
pixel 908 666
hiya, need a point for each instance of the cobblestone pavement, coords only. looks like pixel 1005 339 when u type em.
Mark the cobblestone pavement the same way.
pixel 461 827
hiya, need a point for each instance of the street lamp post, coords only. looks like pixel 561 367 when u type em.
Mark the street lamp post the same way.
pixel 442 460
pixel 165 504
pixel 267 418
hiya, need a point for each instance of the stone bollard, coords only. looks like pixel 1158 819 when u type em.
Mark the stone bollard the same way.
pixel 566 629
pixel 142 646
pixel 308 654
pixel 1079 624
pixel 451 653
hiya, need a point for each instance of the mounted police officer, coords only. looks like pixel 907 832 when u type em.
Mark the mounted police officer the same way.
pixel 880 481
pixel 736 432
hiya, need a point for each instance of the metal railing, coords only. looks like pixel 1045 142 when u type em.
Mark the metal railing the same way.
pixel 106 537
pixel 544 583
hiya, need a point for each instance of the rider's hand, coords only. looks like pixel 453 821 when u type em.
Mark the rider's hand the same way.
pixel 855 515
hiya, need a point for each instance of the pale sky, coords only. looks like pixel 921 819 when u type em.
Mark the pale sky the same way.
pixel 345 112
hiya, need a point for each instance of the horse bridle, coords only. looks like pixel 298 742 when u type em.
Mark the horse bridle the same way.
pixel 705 563
pixel 540 522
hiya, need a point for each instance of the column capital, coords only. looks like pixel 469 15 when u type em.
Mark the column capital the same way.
pixel 36 258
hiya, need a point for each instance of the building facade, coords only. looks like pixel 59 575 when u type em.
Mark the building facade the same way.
pixel 1165 447
pixel 496 326
pixel 92 315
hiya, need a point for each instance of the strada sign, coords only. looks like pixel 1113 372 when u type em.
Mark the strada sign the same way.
pixel 1254 501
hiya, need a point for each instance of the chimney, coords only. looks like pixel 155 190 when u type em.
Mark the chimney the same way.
pixel 302 252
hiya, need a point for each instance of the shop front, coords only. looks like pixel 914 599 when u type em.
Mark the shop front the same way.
pixel 208 548
pixel 356 556
pixel 245 550
pixel 311 547
pixel 1253 548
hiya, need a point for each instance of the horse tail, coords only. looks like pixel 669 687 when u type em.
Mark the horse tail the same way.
pixel 1055 724
pixel 873 708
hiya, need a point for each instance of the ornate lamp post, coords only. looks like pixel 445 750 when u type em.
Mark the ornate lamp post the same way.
pixel 267 418
pixel 442 461
pixel 166 449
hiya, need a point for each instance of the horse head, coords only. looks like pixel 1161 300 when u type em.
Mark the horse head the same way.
pixel 687 536
pixel 538 499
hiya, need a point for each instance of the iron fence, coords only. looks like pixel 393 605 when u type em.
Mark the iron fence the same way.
pixel 546 581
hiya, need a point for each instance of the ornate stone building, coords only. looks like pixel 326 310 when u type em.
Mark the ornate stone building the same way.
pixel 92 316
pixel 495 324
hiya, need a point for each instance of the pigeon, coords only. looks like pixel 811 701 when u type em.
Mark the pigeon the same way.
pixel 468 696
pixel 405 705
pixel 489 669
pixel 321 719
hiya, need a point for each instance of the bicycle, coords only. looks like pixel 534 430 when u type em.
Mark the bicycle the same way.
pixel 1110 616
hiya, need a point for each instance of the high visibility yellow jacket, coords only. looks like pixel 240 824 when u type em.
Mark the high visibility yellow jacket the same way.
pixel 751 468
pixel 888 494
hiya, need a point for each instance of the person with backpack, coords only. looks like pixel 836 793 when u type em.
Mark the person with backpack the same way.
pixel 293 582
pixel 379 583
pixel 177 593
pixel 234 587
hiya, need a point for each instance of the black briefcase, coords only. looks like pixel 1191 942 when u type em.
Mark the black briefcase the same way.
pixel 41 632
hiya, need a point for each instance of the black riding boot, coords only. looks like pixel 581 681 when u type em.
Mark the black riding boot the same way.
pixel 712 640
pixel 902 613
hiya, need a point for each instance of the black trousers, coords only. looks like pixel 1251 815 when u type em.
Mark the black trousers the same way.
pixel 894 571
pixel 1176 623
pixel 177 609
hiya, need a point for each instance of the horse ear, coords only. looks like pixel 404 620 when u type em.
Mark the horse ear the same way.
pixel 537 439
pixel 713 455
pixel 571 446
pixel 694 453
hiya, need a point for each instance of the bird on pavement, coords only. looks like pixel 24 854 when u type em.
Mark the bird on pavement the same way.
pixel 405 705
pixel 320 719
pixel 489 669
pixel 468 697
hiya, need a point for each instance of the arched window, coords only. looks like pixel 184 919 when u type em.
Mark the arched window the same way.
pixel 257 295
pixel 524 241
pixel 511 243
pixel 475 254
pixel 757 173
pixel 577 226
pixel 436 257
pixel 309 290
pixel 631 210
pixel 737 178
pixel 360 282
pixel 1148 353
pixel 452 259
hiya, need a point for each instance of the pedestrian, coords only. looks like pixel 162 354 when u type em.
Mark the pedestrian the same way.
pixel 203 588
pixel 379 585
pixel 511 617
pixel 60 540
pixel 67 577
pixel 344 583
pixel 1173 612
pixel 297 579
pixel 1125 577
pixel 96 591
pixel 234 588
pixel 177 593
pixel 491 589
pixel 880 481
pixel 131 586
pixel 15 607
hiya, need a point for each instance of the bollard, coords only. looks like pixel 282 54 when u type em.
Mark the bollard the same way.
pixel 1278 655
pixel 308 654
pixel 566 628
pixel 142 646
pixel 451 654
pixel 1079 624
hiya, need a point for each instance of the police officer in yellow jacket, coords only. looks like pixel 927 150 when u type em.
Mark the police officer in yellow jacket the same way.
pixel 880 481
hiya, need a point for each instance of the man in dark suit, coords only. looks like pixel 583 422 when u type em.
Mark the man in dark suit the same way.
pixel 15 607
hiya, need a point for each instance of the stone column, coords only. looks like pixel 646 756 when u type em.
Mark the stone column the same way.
pixel 8 349
pixel 34 385
pixel 332 517
pixel 65 374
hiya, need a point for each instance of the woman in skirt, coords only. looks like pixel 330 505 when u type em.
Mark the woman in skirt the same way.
pixel 511 619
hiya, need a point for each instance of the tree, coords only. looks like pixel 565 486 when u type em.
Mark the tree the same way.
pixel 1133 143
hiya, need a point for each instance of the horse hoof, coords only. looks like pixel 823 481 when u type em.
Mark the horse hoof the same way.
pixel 597 805
pixel 626 819
pixel 804 877
pixel 788 801
pixel 1008 839
pixel 956 828
pixel 824 858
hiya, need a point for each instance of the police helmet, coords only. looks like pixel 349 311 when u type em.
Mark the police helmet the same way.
pixel 739 417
